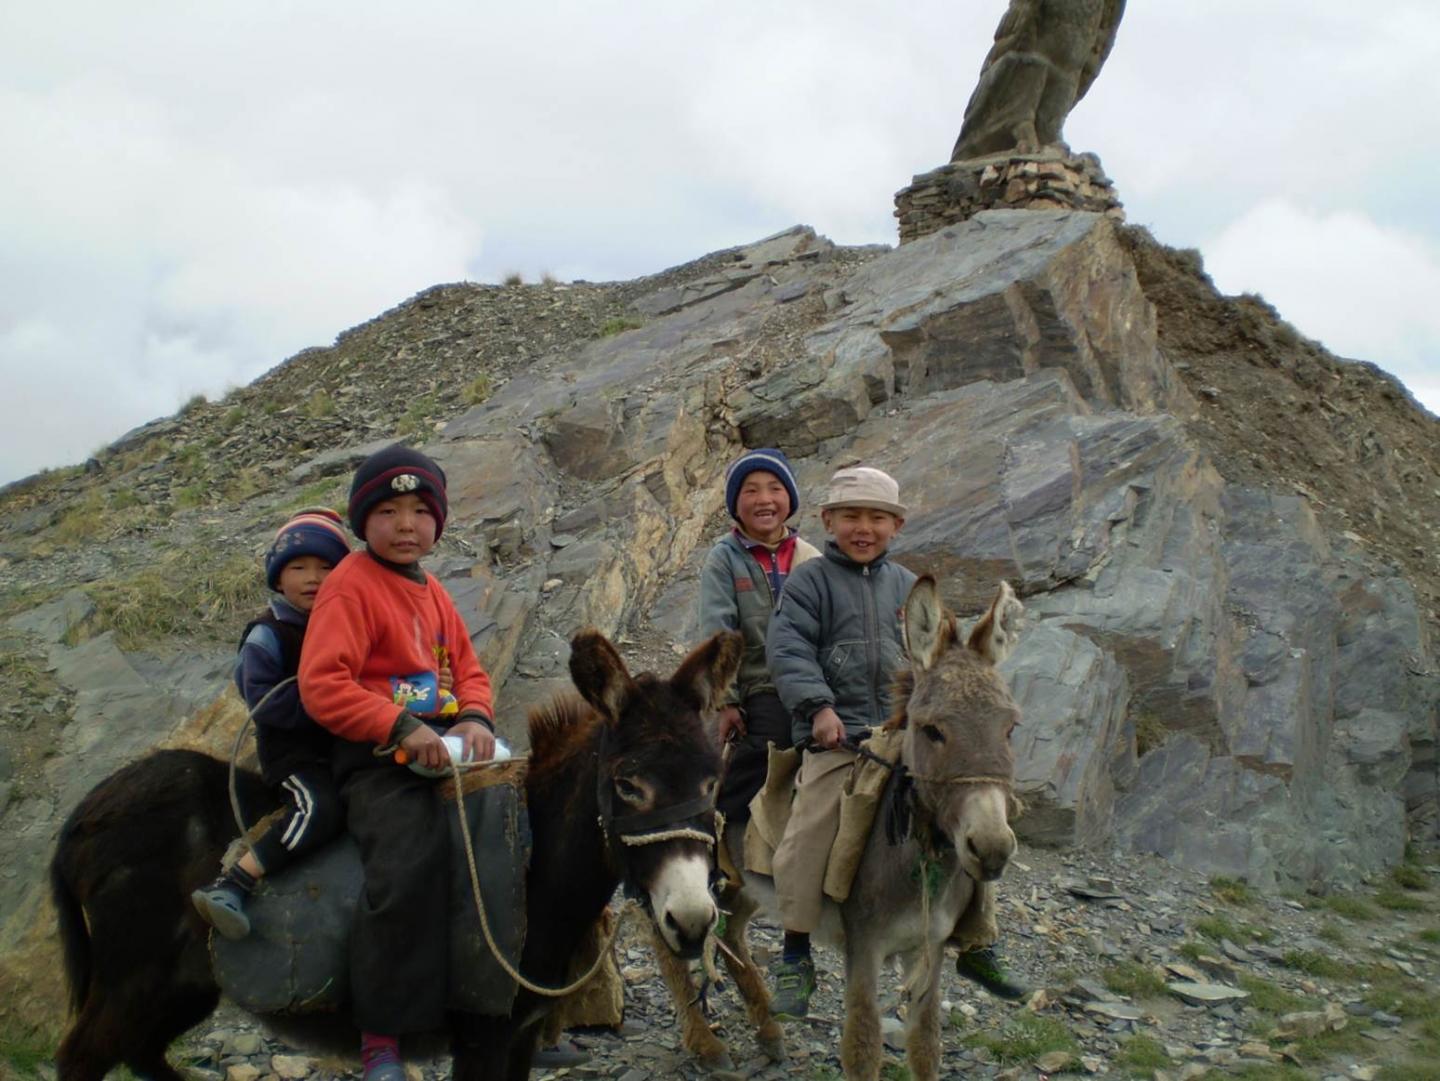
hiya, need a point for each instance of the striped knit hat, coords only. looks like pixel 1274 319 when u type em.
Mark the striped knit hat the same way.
pixel 771 461
pixel 395 471
pixel 314 531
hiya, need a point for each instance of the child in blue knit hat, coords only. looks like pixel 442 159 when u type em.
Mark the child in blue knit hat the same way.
pixel 294 751
pixel 740 586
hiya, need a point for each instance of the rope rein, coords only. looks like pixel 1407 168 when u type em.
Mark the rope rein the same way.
pixel 511 970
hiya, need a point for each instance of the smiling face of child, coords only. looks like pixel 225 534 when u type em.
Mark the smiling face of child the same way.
pixel 300 580
pixel 762 507
pixel 401 529
pixel 862 533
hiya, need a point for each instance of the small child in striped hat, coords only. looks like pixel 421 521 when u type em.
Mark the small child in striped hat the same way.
pixel 294 751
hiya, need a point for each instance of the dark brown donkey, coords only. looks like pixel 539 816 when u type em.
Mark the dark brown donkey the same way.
pixel 957 713
pixel 620 789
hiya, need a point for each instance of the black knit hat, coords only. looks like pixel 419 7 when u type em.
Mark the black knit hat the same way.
pixel 770 461
pixel 395 471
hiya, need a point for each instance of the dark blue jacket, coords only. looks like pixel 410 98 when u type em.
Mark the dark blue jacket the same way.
pixel 286 737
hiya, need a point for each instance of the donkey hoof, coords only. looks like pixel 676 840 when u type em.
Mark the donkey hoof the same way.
pixel 773 1048
pixel 718 1066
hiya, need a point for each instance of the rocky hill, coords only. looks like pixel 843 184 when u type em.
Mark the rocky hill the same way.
pixel 1224 535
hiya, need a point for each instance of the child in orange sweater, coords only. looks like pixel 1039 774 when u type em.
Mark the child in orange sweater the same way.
pixel 381 633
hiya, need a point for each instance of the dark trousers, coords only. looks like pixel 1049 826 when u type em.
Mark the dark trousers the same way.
pixel 766 721
pixel 399 944
pixel 313 815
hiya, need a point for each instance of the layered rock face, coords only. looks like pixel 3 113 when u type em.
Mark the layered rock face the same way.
pixel 1206 675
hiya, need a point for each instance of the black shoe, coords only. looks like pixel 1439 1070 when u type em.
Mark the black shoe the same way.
pixel 794 984
pixel 985 968
pixel 564 1053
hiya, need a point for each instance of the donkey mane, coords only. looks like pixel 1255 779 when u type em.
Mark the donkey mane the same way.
pixel 559 730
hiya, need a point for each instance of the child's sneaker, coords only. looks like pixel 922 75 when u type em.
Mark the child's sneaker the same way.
pixel 985 968
pixel 794 984
pixel 383 1064
pixel 222 903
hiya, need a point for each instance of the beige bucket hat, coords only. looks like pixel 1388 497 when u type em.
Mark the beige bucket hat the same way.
pixel 862 486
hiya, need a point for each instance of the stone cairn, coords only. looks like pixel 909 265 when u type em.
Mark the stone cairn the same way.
pixel 1052 179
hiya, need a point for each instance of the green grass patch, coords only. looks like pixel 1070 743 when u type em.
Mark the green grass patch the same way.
pixel 191 496
pixel 1315 964
pixel 1141 1056
pixel 1409 1071
pixel 1430 935
pixel 1134 980
pixel 618 324
pixel 186 592
pixel 1332 933
pixel 1271 998
pixel 1352 908
pixel 1024 1038
pixel 25 1053
pixel 332 493
pixel 893 1071
pixel 1258 1072
pixel 233 416
pixel 1409 876
pixel 1192 951
pixel 319 404
pixel 85 521
pixel 514 278
pixel 1396 899
pixel 1325 1045
pixel 476 391
pixel 1232 891
pixel 247 483
pixel 1217 928
pixel 419 418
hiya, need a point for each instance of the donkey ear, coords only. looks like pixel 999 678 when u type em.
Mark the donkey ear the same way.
pixel 707 673
pixel 999 628
pixel 599 674
pixel 927 625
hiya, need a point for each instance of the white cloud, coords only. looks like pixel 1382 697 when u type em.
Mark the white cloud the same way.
pixel 1364 290
pixel 192 192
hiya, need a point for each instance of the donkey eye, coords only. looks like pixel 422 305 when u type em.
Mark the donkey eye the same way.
pixel 629 791
pixel 932 733
pixel 707 789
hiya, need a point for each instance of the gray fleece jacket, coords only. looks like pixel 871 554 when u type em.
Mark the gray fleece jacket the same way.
pixel 836 640
pixel 735 595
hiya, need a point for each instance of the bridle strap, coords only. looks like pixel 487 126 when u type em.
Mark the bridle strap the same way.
pixel 660 817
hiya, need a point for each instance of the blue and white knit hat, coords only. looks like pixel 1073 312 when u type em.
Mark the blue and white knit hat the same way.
pixel 315 531
pixel 771 461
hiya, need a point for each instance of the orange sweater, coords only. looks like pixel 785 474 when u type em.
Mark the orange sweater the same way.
pixel 373 649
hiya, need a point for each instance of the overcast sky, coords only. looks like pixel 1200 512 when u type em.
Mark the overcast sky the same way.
pixel 192 192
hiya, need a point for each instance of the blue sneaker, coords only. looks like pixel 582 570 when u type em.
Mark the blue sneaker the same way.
pixel 383 1065
pixel 222 905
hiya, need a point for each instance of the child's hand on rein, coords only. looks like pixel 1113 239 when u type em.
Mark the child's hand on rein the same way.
pixel 731 724
pixel 826 728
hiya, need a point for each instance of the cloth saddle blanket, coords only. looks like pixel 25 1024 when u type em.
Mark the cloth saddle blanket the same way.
pixel 864 788
pixel 296 957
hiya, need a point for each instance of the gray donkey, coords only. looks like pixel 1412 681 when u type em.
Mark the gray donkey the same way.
pixel 909 891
